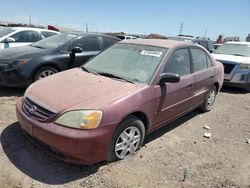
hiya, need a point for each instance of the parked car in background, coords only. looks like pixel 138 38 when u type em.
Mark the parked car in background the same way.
pixel 21 66
pixel 103 110
pixel 205 42
pixel 22 36
pixel 125 37
pixel 216 45
pixel 235 56
pixel 248 38
pixel 2 27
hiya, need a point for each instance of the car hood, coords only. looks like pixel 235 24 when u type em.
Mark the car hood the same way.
pixel 231 58
pixel 20 52
pixel 77 89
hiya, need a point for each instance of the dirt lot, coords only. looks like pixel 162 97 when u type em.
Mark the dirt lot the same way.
pixel 169 154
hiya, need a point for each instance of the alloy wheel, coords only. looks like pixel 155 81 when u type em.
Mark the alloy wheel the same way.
pixel 46 73
pixel 127 142
pixel 211 99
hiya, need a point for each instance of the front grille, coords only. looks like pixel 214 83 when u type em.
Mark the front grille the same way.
pixel 35 111
pixel 228 67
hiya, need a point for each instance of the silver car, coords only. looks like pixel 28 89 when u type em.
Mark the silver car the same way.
pixel 235 56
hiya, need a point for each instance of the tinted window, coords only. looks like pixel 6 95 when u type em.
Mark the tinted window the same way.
pixel 88 44
pixel 199 59
pixel 25 36
pixel 107 41
pixel 121 37
pixel 46 34
pixel 178 63
pixel 54 41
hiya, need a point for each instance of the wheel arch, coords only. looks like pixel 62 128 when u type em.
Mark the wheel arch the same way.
pixel 44 65
pixel 140 115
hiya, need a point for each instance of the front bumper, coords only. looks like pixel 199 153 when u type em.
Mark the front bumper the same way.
pixel 237 77
pixel 71 145
pixel 14 77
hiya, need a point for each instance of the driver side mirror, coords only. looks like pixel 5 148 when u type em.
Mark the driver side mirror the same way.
pixel 169 78
pixel 9 40
pixel 77 49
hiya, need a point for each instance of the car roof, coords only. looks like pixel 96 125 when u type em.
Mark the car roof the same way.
pixel 159 43
pixel 32 29
pixel 89 34
pixel 234 42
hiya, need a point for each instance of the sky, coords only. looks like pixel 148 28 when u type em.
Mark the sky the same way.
pixel 199 17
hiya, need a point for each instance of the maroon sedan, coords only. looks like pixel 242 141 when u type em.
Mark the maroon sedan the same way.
pixel 103 110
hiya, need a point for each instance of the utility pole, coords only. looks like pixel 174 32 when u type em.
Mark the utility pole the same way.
pixel 205 34
pixel 87 28
pixel 30 19
pixel 181 28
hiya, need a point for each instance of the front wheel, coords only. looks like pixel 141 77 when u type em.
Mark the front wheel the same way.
pixel 209 102
pixel 44 72
pixel 127 139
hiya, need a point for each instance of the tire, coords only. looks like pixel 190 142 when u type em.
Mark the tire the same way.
pixel 44 72
pixel 122 145
pixel 209 102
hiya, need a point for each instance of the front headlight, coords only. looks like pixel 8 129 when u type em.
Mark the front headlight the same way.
pixel 81 119
pixel 19 62
pixel 245 66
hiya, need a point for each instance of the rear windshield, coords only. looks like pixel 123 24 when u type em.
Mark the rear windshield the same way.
pixel 6 31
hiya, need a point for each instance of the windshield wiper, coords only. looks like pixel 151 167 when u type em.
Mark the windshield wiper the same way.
pixel 114 76
pixel 238 55
pixel 87 70
pixel 37 46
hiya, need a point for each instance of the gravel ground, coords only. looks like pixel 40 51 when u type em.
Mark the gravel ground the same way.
pixel 176 155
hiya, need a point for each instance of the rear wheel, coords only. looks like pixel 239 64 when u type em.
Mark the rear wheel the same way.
pixel 209 102
pixel 127 139
pixel 44 72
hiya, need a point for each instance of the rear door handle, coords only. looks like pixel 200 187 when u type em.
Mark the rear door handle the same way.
pixel 212 76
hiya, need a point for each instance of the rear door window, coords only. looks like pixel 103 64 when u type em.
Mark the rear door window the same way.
pixel 88 44
pixel 108 41
pixel 26 36
pixel 199 59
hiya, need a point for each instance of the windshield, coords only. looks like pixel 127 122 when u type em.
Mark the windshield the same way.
pixel 6 31
pixel 234 49
pixel 54 41
pixel 136 63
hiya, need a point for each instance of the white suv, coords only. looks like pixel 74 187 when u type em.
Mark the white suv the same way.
pixel 22 36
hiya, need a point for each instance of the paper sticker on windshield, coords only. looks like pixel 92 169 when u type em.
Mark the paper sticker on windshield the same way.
pixel 151 53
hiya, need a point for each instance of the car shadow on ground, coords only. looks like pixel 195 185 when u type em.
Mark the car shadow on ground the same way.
pixel 11 91
pixel 233 90
pixel 168 127
pixel 37 163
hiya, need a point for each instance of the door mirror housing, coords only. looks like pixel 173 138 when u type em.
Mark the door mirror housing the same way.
pixel 9 40
pixel 169 78
pixel 77 49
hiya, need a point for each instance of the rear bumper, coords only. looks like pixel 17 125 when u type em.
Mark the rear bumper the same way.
pixel 71 145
